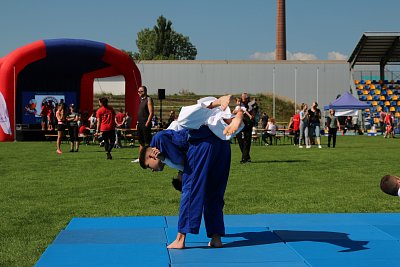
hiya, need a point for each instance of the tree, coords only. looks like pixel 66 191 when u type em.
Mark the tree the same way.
pixel 162 42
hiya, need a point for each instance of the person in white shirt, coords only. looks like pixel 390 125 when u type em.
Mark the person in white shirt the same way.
pixel 270 131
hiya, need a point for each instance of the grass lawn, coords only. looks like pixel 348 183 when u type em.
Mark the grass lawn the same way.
pixel 40 191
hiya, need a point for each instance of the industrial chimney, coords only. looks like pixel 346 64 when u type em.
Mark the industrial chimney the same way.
pixel 280 30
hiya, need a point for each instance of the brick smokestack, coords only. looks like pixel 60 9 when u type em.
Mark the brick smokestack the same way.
pixel 280 30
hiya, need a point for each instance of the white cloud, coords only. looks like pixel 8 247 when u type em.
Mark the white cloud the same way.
pixel 336 56
pixel 263 56
pixel 289 55
pixel 300 56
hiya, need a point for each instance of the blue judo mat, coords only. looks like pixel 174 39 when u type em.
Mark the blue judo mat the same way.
pixel 350 239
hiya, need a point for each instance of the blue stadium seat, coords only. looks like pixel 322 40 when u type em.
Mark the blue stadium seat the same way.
pixel 378 86
pixel 383 92
pixel 359 92
pixel 363 98
pixel 393 103
pixel 362 82
pixel 376 97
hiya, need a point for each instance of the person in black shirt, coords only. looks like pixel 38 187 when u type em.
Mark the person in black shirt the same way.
pixel 244 136
pixel 145 116
pixel 315 122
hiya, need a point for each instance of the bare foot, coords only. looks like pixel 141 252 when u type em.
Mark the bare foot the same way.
pixel 235 124
pixel 179 242
pixel 215 242
pixel 176 245
pixel 222 102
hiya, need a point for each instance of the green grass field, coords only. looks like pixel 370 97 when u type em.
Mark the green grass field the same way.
pixel 40 191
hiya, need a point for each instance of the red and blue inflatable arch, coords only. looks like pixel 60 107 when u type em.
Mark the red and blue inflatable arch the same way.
pixel 61 65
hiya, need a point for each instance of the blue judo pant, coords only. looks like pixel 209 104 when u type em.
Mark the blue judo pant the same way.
pixel 204 181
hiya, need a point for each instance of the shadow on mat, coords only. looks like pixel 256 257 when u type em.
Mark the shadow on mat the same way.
pixel 278 236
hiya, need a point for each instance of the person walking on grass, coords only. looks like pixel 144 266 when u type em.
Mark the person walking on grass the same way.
pixel 106 125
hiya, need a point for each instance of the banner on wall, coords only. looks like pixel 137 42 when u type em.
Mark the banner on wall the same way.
pixel 32 104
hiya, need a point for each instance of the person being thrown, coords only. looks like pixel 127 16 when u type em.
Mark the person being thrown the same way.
pixel 204 160
pixel 390 185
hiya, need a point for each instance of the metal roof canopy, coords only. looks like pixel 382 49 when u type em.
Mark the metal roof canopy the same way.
pixel 377 48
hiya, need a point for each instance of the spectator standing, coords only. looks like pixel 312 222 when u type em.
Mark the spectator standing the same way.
pixel 382 116
pixel 93 121
pixel 61 125
pixel 145 116
pixel 128 120
pixel 73 130
pixel 389 122
pixel 304 126
pixel 43 113
pixel 244 136
pixel 332 123
pixel 315 122
pixel 296 127
pixel 119 123
pixel 106 125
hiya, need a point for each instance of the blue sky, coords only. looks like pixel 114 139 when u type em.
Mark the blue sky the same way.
pixel 220 29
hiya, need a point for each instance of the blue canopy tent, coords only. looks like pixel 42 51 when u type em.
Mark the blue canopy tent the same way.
pixel 348 105
pixel 347 101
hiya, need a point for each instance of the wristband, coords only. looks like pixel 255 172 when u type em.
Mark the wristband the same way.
pixel 398 192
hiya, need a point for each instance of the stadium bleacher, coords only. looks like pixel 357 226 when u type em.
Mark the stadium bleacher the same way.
pixel 382 95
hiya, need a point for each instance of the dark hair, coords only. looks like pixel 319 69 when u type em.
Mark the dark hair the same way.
pixel 144 89
pixel 142 157
pixel 104 101
pixel 389 185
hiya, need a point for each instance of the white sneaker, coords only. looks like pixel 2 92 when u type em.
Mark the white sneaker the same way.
pixel 300 146
pixel 308 146
pixel 319 146
pixel 135 161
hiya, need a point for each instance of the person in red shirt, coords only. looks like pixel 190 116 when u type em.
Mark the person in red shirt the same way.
pixel 43 114
pixel 119 122
pixel 389 125
pixel 106 125
pixel 296 127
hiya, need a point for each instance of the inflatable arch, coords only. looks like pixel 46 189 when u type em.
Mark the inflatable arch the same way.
pixel 61 65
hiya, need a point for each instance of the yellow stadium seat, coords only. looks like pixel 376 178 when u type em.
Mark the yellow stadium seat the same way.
pixel 379 109
pixel 365 92
pixel 397 114
pixel 392 109
pixel 369 97
pixel 387 103
pixel 360 87
pixel 380 82
pixel 374 103
pixel 372 86
pixel 384 87
pixel 395 97
pixel 368 82
pixel 398 103
pixel 389 92
pixel 377 92
pixel 376 120
pixel 382 97
pixel 356 82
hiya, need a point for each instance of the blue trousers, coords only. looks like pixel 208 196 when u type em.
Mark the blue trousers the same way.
pixel 204 181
